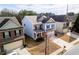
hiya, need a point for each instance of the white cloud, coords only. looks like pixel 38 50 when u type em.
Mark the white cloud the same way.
pixel 44 8
pixel 53 8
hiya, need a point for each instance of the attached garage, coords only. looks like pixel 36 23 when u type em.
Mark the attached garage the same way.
pixel 14 45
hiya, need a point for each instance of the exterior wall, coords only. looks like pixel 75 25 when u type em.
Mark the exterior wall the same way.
pixel 1 37
pixel 27 27
pixel 14 45
pixel 59 26
pixel 22 33
pixel 12 34
pixel 10 40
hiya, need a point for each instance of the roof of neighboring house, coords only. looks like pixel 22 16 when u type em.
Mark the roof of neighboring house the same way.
pixel 48 20
pixel 40 19
pixel 45 20
pixel 73 17
pixel 59 18
pixel 5 20
pixel 32 19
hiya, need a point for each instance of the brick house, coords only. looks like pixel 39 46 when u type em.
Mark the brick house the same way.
pixel 11 34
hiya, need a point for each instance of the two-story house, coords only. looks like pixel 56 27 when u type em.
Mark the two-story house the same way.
pixel 11 34
pixel 36 29
pixel 61 23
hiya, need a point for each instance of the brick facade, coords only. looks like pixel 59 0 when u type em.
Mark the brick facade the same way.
pixel 13 36
pixel 1 37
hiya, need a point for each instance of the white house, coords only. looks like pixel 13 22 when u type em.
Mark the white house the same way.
pixel 61 24
pixel 36 29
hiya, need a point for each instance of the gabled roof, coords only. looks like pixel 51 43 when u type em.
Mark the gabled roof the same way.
pixel 59 18
pixel 32 19
pixel 40 19
pixel 4 20
pixel 48 20
pixel 51 20
pixel 45 20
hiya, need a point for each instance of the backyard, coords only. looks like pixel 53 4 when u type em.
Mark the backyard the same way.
pixel 67 38
pixel 40 49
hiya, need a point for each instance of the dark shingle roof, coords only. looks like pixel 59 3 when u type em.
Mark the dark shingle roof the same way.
pixel 3 22
pixel 45 20
pixel 59 18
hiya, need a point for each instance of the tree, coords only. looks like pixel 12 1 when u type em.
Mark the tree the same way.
pixel 6 12
pixel 23 13
pixel 71 13
pixel 76 25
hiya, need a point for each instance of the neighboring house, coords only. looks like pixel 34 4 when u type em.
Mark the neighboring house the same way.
pixel 72 19
pixel 11 34
pixel 37 29
pixel 61 24
pixel 40 19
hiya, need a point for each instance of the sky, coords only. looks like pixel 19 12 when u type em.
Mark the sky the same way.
pixel 43 8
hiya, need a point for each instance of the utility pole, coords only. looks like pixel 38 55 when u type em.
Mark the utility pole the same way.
pixel 67 10
pixel 67 13
pixel 46 44
pixel 67 18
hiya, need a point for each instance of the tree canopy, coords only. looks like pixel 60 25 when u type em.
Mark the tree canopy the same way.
pixel 6 12
pixel 19 15
pixel 76 25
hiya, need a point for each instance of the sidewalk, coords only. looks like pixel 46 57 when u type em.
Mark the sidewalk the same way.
pixel 73 35
pixel 19 52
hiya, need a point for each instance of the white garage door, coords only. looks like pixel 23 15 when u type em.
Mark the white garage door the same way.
pixel 12 46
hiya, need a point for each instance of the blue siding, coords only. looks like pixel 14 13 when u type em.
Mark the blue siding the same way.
pixel 27 26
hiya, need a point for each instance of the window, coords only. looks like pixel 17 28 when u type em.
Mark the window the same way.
pixel 52 26
pixel 24 24
pixel 16 32
pixel 34 35
pixel 6 35
pixel 20 32
pixel 3 35
pixel 48 26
